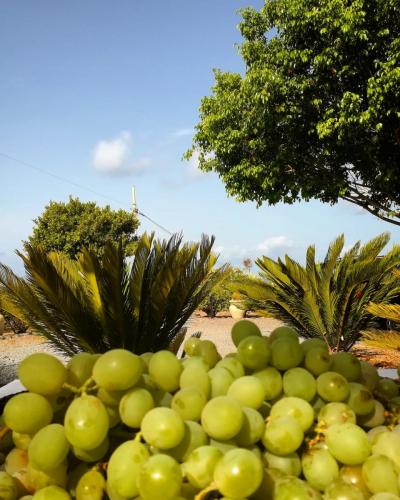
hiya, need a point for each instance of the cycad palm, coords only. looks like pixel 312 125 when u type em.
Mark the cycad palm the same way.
pixel 95 304
pixel 383 345
pixel 328 299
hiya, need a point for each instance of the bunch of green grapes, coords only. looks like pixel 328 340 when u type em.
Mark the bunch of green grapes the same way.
pixel 279 419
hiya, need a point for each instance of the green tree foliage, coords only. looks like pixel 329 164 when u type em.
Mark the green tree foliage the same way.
pixel 316 113
pixel 94 303
pixel 67 227
pixel 328 299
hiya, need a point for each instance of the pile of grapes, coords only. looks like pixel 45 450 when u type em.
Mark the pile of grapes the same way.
pixel 278 419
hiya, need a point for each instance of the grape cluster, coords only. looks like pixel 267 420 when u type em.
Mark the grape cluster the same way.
pixel 276 420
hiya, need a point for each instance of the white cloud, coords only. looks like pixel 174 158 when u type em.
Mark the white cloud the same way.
pixel 219 249
pixel 274 242
pixel 114 156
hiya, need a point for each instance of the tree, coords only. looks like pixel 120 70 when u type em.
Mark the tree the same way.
pixel 67 227
pixel 316 113
pixel 328 299
pixel 94 303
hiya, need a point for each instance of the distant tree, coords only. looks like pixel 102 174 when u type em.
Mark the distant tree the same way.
pixel 247 264
pixel 67 227
pixel 316 112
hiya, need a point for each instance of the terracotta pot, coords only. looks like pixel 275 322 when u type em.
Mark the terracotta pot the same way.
pixel 236 309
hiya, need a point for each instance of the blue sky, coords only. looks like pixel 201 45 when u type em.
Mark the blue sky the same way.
pixel 106 94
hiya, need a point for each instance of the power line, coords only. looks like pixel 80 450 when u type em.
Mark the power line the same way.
pixel 64 179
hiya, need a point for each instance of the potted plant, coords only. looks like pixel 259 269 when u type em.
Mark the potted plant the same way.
pixel 237 306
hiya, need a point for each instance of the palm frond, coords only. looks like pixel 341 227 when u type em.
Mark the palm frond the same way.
pixel 98 303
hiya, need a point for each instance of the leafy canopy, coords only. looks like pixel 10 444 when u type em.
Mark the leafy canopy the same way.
pixel 328 299
pixel 94 303
pixel 316 113
pixel 67 227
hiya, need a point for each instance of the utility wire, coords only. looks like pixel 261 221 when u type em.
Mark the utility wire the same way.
pixel 64 179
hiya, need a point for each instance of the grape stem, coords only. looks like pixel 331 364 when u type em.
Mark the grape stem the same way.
pixel 203 493
pixel 3 432
pixel 71 388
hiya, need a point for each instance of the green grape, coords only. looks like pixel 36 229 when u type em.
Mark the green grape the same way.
pixel 233 365
pixel 238 474
pixel 124 466
pixel 222 417
pixel 146 357
pixel 387 444
pixel 160 478
pixel 317 360
pixel 74 476
pixel 319 468
pixel 272 381
pixel 200 464
pixel 299 383
pixel 15 460
pixel 39 479
pixel 27 413
pixel 297 408
pixel 252 428
pixel 283 332
pixel 384 496
pixel 314 343
pixel 332 386
pixel 92 455
pixel 289 464
pixel 380 474
pixel 207 350
pixel 195 361
pixel 387 388
pixel 79 368
pixel 317 403
pixel 117 370
pixel 336 413
pixel 348 443
pixel 195 376
pixel 134 405
pixel 369 375
pixel 223 445
pixel 110 398
pixel 161 398
pixel 113 416
pixel 270 479
pixel 247 391
pixel 42 373
pixel 86 422
pixel 375 418
pixel 189 403
pixel 193 438
pixel 220 379
pixel 242 329
pixel 360 399
pixel 286 353
pixel 91 486
pixel 347 365
pixel 352 474
pixel 375 431
pixel 7 441
pixel 293 488
pixel 340 490
pixel 163 428
pixel 190 344
pixel 49 448
pixel 165 370
pixel 254 352
pixel 51 493
pixel 282 435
